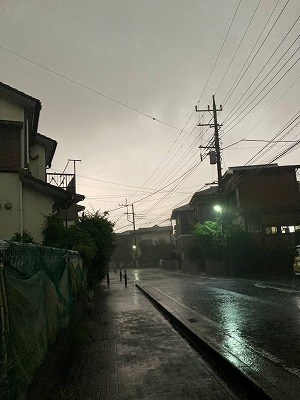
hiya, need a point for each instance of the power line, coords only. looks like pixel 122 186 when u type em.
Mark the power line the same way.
pixel 271 108
pixel 239 78
pixel 281 68
pixel 287 125
pixel 237 49
pixel 158 190
pixel 218 56
pixel 90 89
pixel 168 152
pixel 171 190
pixel 244 92
pixel 260 99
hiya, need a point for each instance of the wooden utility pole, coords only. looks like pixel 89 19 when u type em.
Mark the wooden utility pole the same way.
pixel 216 127
pixel 134 248
pixel 74 170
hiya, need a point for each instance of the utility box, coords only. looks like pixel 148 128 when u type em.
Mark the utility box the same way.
pixel 212 157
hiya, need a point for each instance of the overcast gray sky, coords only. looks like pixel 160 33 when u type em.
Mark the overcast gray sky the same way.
pixel 119 80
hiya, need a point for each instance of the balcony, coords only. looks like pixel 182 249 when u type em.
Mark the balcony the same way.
pixel 63 181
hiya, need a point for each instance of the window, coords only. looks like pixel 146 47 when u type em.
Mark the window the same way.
pixel 10 149
pixel 271 230
pixel 287 229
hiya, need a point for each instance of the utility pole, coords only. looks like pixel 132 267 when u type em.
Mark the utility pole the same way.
pixel 74 169
pixel 134 239
pixel 134 248
pixel 216 127
pixel 73 191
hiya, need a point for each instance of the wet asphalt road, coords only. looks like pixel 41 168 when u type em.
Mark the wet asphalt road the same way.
pixel 262 315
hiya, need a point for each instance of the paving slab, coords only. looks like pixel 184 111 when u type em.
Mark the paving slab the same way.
pixel 137 354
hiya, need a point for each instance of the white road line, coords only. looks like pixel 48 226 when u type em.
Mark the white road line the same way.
pixel 262 286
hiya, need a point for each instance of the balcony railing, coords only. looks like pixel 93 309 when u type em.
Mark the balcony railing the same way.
pixel 63 181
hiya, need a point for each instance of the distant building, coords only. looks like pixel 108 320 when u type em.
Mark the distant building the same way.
pixel 184 218
pixel 26 197
pixel 124 253
pixel 263 199
pixel 154 234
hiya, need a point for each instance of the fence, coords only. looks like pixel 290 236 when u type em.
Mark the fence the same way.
pixel 38 286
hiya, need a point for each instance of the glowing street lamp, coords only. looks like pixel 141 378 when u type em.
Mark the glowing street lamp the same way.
pixel 218 208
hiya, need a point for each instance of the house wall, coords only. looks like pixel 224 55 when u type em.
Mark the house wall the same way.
pixel 154 236
pixel 9 194
pixel 205 212
pixel 183 224
pixel 37 162
pixel 10 111
pixel 269 190
pixel 35 207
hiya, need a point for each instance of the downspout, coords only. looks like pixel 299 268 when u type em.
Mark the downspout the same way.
pixel 21 209
pixel 24 157
pixel 27 142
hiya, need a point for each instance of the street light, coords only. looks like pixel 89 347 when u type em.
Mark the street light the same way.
pixel 218 208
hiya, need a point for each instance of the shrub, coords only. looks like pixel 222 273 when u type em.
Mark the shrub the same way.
pixel 93 237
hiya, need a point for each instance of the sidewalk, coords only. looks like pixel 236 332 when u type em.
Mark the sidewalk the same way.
pixel 136 354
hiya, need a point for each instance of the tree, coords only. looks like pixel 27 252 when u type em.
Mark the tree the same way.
pixel 101 231
pixel 26 238
pixel 152 253
pixel 231 244
pixel 93 237
pixel 209 237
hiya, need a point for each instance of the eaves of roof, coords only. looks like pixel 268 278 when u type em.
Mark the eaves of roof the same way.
pixel 208 193
pixel 31 105
pixel 155 228
pixel 20 97
pixel 181 209
pixel 254 169
pixel 61 196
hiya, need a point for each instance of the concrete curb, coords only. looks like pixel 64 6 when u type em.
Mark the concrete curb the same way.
pixel 245 376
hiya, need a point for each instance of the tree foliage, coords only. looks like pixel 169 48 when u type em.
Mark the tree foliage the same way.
pixel 93 237
pixel 230 242
pixel 209 241
pixel 152 253
pixel 26 238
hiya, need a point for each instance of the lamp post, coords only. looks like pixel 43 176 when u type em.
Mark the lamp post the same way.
pixel 219 210
pixel 134 255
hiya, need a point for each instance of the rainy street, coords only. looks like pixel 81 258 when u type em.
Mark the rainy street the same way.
pixel 260 315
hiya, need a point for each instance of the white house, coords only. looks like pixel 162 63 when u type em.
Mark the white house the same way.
pixel 25 195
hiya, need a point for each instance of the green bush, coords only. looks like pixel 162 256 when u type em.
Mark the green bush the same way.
pixel 26 238
pixel 93 237
pixel 229 243
pixel 152 253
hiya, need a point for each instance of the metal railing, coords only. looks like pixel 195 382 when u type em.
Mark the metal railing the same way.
pixel 60 180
